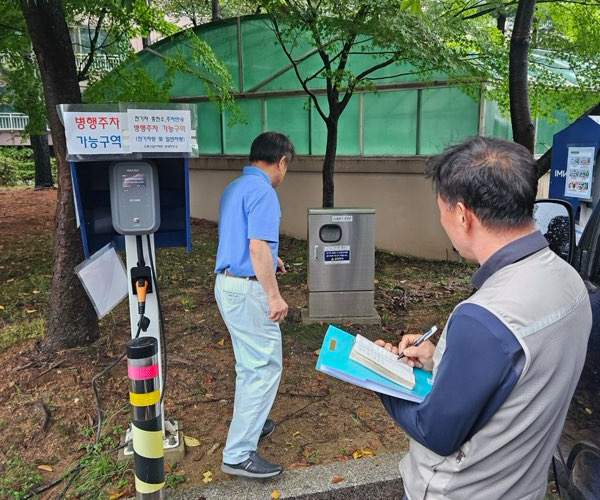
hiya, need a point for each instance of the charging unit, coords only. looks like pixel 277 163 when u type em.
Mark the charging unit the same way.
pixel 574 168
pixel 130 175
pixel 134 197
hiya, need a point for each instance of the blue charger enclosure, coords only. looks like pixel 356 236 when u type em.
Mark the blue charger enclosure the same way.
pixel 583 132
pixel 91 187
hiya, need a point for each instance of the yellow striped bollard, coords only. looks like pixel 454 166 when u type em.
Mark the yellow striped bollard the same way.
pixel 146 418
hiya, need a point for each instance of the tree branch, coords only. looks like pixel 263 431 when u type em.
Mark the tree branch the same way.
pixel 295 66
pixel 82 74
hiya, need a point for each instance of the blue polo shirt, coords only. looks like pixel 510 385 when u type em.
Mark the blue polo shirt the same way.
pixel 249 209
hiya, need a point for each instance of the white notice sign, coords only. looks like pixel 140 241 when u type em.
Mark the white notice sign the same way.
pixel 95 133
pixel 341 218
pixel 580 168
pixel 159 130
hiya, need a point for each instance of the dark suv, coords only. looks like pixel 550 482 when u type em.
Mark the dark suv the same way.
pixel 576 462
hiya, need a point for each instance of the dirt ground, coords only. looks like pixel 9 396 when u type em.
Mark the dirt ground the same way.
pixel 47 407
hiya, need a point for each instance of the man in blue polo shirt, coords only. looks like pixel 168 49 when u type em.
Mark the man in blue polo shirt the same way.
pixel 249 300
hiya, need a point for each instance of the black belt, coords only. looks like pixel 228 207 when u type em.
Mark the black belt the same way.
pixel 227 273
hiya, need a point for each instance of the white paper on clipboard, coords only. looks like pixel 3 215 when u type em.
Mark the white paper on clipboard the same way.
pixel 104 279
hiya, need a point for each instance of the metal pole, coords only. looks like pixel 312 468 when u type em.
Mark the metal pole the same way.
pixel 146 418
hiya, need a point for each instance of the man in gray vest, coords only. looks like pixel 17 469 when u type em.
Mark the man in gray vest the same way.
pixel 509 358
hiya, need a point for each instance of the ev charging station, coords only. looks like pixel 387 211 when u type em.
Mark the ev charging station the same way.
pixel 130 174
pixel 575 168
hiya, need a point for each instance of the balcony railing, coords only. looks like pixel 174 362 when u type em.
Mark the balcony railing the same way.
pixel 13 121
pixel 102 63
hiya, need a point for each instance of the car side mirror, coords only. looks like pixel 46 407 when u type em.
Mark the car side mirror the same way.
pixel 554 219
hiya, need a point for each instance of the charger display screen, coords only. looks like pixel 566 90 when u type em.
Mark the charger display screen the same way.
pixel 130 180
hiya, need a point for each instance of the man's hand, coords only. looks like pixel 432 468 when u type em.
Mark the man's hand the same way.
pixel 280 266
pixel 420 356
pixel 278 309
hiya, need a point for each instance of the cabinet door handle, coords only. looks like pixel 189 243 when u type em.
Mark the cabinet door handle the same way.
pixel 316 252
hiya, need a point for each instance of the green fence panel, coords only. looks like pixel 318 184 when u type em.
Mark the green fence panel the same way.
pixel 494 123
pixel 348 129
pixel 238 138
pixel 390 123
pixel 289 115
pixel 448 115
pixel 263 58
pixel 209 128
pixel 546 130
pixel 222 38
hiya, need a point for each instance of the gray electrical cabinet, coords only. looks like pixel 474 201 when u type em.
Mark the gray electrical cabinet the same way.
pixel 341 262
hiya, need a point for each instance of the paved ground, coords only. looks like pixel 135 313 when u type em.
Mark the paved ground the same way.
pixel 313 483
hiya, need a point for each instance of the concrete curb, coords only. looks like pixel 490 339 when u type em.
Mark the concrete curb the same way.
pixel 375 478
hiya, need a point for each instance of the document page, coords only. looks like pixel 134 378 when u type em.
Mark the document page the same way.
pixel 383 358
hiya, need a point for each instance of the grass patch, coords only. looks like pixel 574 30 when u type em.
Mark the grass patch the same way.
pixel 309 335
pixel 18 478
pixel 18 332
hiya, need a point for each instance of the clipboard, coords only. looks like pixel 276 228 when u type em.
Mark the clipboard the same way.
pixel 334 361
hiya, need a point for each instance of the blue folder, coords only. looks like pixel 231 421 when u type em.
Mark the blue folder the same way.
pixel 334 361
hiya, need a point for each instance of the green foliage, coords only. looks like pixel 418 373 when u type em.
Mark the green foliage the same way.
pixel 17 478
pixel 131 82
pixel 18 71
pixel 366 42
pixel 564 58
pixel 172 479
pixel 100 467
pixel 200 11
pixel 16 166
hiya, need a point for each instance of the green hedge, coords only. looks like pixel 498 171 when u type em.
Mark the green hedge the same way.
pixel 17 166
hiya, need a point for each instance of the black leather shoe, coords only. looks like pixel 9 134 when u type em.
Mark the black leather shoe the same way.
pixel 253 467
pixel 267 429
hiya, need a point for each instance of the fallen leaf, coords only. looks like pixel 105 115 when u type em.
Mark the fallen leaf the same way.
pixel 208 395
pixel 207 477
pixel 275 494
pixel 588 411
pixel 297 433
pixel 361 413
pixel 367 453
pixel 356 455
pixel 29 311
pixel 10 280
pixel 47 468
pixel 213 448
pixel 375 281
pixel 190 441
pixel 114 496
pixel 318 351
pixel 221 342
pixel 337 479
pixel 1 308
pixel 36 292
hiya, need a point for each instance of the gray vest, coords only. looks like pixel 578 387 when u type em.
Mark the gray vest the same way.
pixel 544 303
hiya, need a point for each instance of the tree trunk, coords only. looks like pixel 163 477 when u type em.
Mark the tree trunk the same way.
pixel 329 161
pixel 520 116
pixel 71 318
pixel 41 158
pixel 216 10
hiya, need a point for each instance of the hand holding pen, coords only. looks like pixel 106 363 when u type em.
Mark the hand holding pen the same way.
pixel 422 338
pixel 421 357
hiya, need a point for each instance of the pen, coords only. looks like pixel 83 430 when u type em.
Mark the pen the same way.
pixel 423 337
